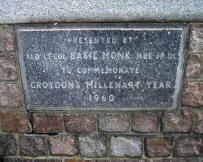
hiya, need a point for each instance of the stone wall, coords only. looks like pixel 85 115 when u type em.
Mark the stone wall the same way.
pixel 69 136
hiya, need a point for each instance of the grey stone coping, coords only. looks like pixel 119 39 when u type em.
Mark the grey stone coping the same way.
pixel 36 11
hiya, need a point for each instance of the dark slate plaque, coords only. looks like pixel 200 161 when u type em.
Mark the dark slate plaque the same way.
pixel 102 67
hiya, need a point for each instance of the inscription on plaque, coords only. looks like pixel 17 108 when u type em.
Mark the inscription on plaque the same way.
pixel 101 66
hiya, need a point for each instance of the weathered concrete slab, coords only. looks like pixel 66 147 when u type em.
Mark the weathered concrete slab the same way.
pixel 34 11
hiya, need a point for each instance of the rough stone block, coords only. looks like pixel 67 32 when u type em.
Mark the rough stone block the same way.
pixel 158 147
pixel 8 38
pixel 193 69
pixel 192 94
pixel 17 160
pixel 81 160
pixel 80 123
pixel 196 38
pixel 135 160
pixel 144 123
pixel 126 146
pixel 114 123
pixel 47 123
pixel 8 68
pixel 177 122
pixel 15 95
pixel 1 43
pixel 188 147
pixel 4 97
pixel 174 160
pixel 199 122
pixel 8 145
pixel 92 145
pixel 63 145
pixel 114 160
pixel 47 160
pixel 1 40
pixel 15 121
pixel 10 95
pixel 32 146
pixel 30 160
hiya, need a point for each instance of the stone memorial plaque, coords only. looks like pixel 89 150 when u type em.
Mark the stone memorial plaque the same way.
pixel 102 67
